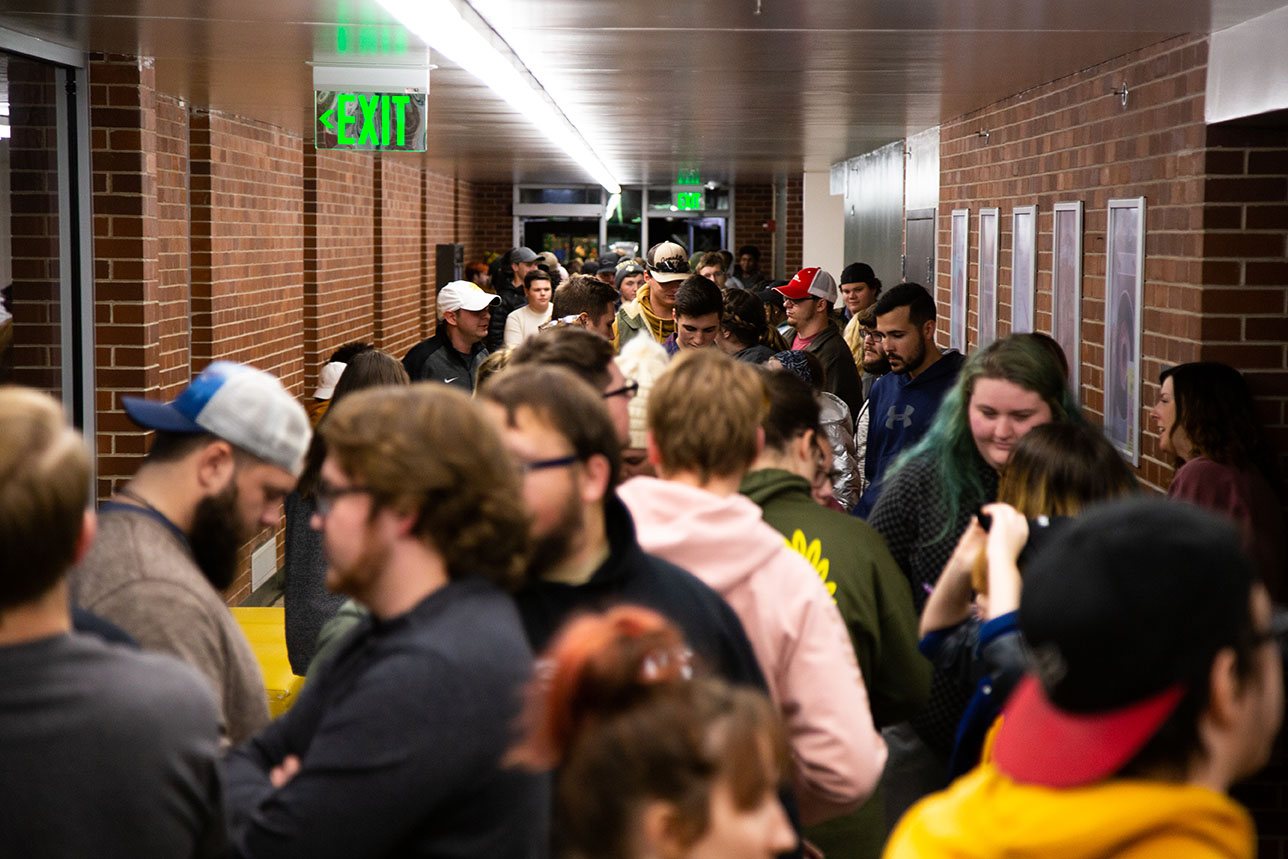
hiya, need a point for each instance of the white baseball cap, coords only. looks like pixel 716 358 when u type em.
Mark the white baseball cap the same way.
pixel 463 295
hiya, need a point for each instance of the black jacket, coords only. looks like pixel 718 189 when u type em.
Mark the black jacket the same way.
pixel 401 739
pixel 842 376
pixel 436 358
pixel 512 299
pixel 630 575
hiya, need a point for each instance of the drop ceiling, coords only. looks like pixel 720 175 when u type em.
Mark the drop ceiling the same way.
pixel 744 89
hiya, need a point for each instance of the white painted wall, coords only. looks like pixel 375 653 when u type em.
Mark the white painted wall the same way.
pixel 1248 68
pixel 824 224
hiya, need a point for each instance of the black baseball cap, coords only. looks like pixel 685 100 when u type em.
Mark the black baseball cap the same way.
pixel 858 272
pixel 1121 611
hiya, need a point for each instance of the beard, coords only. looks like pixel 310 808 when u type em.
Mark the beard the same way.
pixel 552 548
pixel 355 580
pixel 915 358
pixel 217 533
pixel 877 367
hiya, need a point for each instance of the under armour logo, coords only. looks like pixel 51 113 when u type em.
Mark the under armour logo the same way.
pixel 905 417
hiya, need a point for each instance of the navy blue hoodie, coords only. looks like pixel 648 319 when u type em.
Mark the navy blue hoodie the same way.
pixel 900 410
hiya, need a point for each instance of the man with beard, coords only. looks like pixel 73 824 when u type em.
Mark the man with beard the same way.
pixel 591 359
pixel 227 451
pixel 585 555
pixel 809 297
pixel 396 747
pixel 874 367
pixel 902 404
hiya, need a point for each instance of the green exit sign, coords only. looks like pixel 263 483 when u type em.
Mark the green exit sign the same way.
pixel 688 176
pixel 370 121
pixel 688 201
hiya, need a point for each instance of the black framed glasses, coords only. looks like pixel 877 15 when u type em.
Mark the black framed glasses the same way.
pixel 542 464
pixel 629 389
pixel 326 495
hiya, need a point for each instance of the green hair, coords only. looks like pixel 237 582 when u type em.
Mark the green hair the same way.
pixel 1018 359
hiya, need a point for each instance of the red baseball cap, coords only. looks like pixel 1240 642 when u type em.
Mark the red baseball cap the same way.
pixel 810 282
pixel 1038 743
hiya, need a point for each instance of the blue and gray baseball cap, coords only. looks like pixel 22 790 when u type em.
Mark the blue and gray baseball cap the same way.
pixel 243 406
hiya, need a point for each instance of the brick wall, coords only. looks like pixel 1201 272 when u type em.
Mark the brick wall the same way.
pixel 442 195
pixel 491 206
pixel 247 269
pixel 126 175
pixel 400 257
pixel 1244 304
pixel 174 355
pixel 753 208
pixel 339 251
pixel 1071 140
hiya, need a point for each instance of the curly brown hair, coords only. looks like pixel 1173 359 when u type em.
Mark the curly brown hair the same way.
pixel 428 449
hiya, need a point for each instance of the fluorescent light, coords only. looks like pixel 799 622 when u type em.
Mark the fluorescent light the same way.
pixel 458 32
pixel 613 200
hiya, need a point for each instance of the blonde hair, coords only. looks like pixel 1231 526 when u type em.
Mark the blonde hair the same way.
pixel 705 414
pixel 44 491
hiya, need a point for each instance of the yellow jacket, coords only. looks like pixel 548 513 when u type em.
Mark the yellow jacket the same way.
pixel 985 814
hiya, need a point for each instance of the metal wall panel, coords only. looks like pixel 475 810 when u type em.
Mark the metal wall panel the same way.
pixel 874 211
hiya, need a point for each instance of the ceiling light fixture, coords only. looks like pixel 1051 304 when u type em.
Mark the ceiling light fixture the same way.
pixel 458 32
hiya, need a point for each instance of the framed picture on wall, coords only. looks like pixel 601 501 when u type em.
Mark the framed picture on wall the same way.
pixel 987 324
pixel 957 280
pixel 1024 267
pixel 1124 295
pixel 1066 288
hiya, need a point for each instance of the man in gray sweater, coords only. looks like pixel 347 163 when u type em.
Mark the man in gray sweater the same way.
pixel 227 451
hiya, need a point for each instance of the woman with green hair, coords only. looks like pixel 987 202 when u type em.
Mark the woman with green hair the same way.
pixel 1003 391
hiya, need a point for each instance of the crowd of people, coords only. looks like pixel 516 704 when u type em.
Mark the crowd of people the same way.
pixel 658 558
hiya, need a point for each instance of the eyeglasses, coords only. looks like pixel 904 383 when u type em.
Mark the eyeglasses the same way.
pixel 542 464
pixel 560 321
pixel 872 334
pixel 807 298
pixel 629 390
pixel 325 496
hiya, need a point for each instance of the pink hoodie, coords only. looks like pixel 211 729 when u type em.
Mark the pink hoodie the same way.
pixel 794 627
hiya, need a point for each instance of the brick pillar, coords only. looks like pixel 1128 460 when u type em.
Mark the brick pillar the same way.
pixel 339 251
pixel 400 282
pixel 128 309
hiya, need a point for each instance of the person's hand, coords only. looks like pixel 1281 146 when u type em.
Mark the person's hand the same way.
pixel 1006 539
pixel 969 545
pixel 1008 533
pixel 279 775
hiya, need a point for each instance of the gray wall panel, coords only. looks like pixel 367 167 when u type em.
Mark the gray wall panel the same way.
pixel 874 211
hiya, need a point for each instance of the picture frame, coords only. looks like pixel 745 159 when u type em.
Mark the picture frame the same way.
pixel 1066 287
pixel 959 270
pixel 1024 267
pixel 986 321
pixel 1124 299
